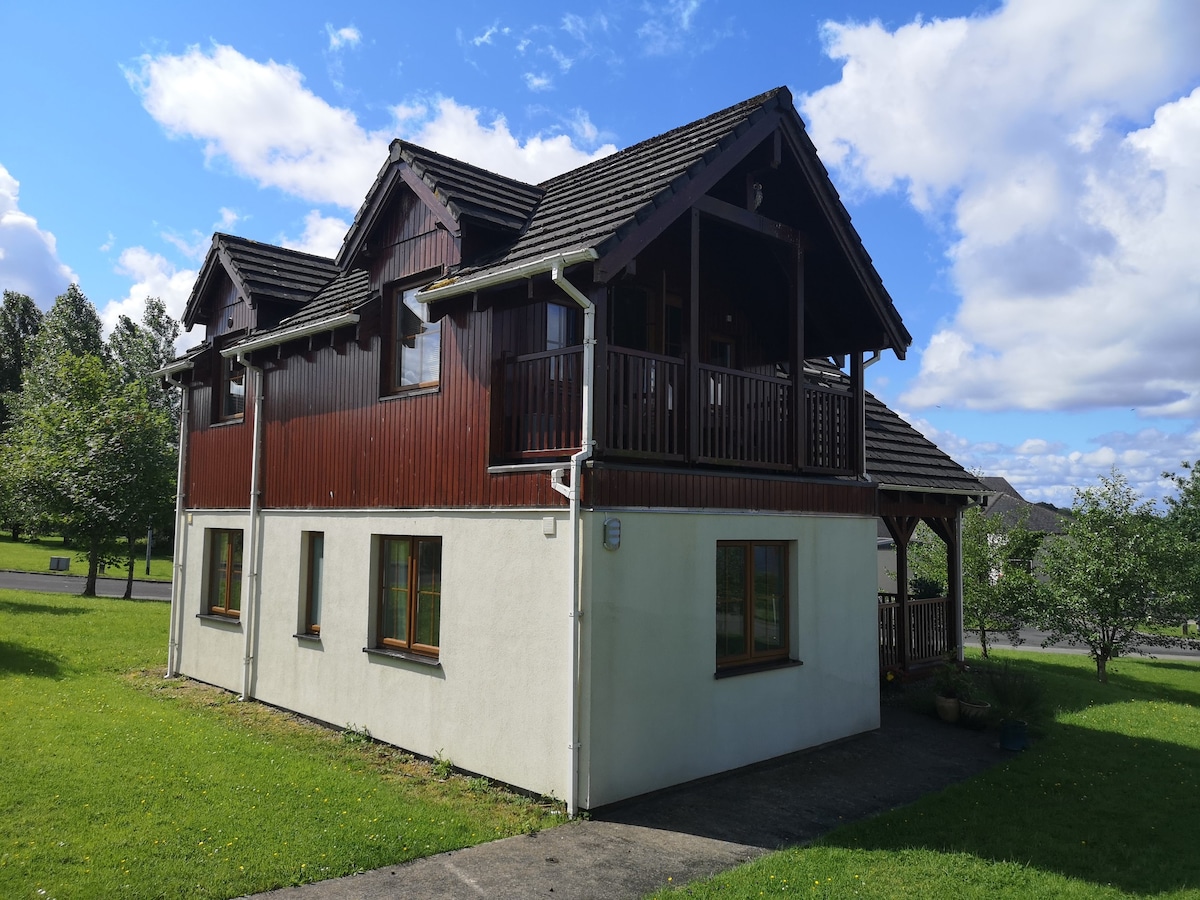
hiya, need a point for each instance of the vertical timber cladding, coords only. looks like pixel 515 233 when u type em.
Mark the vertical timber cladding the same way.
pixel 331 441
pixel 218 457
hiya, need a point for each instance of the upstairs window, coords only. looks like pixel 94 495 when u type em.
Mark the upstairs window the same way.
pixel 416 345
pixel 232 390
pixel 313 560
pixel 562 326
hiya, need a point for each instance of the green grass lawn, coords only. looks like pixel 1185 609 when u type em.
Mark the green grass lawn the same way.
pixel 119 783
pixel 1106 804
pixel 34 556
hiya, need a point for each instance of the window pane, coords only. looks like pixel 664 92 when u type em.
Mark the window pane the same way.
pixel 429 593
pixel 770 617
pixel 235 571
pixel 316 568
pixel 220 571
pixel 234 403
pixel 731 601
pixel 393 617
pixel 418 342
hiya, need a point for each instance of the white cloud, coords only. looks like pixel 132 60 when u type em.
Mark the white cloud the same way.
pixel 455 130
pixel 153 276
pixel 1072 230
pixel 349 36
pixel 322 235
pixel 29 262
pixel 261 119
pixel 667 28
pixel 486 37
pixel 1045 470
pixel 538 82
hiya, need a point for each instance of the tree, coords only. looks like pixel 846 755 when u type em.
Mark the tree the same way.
pixel 1108 574
pixel 20 321
pixel 140 350
pixel 998 584
pixel 95 456
pixel 1183 521
pixel 72 328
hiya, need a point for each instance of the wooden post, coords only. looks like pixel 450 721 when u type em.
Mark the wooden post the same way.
pixel 858 416
pixel 694 402
pixel 799 406
pixel 600 405
pixel 901 529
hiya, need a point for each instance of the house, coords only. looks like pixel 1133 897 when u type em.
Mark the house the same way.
pixel 574 484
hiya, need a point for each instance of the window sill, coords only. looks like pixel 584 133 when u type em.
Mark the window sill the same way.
pixel 410 392
pixel 406 655
pixel 225 423
pixel 310 636
pixel 215 619
pixel 751 668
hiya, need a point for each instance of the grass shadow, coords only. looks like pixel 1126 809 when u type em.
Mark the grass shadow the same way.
pixel 1109 810
pixel 18 659
pixel 45 609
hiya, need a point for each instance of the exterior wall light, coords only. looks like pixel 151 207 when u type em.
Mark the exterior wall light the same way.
pixel 612 533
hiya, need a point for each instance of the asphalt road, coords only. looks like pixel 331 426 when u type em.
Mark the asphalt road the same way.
pixel 73 584
pixel 1033 641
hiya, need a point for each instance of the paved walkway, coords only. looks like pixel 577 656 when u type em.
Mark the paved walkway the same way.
pixel 694 830
pixel 73 584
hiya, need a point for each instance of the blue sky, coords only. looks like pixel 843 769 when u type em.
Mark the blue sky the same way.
pixel 1024 174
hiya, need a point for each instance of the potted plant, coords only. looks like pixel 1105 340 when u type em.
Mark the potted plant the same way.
pixel 1021 701
pixel 949 685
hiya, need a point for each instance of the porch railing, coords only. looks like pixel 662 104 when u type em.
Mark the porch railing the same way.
pixel 928 631
pixel 542 403
pixel 743 418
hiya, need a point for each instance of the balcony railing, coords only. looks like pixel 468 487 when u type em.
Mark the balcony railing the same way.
pixel 928 631
pixel 743 418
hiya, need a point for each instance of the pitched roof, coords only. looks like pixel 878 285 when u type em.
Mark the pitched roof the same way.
pixel 260 272
pixel 1014 509
pixel 344 294
pixel 897 455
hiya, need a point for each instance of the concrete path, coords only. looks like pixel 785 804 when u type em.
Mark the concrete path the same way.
pixel 694 830
pixel 73 584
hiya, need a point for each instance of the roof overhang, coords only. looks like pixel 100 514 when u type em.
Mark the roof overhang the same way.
pixel 456 287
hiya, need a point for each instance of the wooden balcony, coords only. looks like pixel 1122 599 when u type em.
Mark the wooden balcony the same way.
pixel 645 409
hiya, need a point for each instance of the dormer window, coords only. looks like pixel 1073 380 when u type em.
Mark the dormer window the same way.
pixel 417 343
pixel 232 389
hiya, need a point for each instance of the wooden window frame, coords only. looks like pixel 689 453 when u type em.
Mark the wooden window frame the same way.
pixel 394 335
pixel 229 372
pixel 222 544
pixel 313 553
pixel 752 659
pixel 413 588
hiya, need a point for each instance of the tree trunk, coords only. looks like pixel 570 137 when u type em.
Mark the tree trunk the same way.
pixel 89 587
pixel 983 642
pixel 129 578
pixel 1102 668
pixel 16 531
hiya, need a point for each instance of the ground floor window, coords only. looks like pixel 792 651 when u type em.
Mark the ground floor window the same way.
pixel 752 602
pixel 313 560
pixel 410 593
pixel 225 571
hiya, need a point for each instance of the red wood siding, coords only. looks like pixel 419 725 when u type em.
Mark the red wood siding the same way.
pixel 616 487
pixel 413 242
pixel 227 306
pixel 331 442
pixel 218 456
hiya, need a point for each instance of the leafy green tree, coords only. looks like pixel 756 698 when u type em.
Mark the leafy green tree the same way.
pixel 72 328
pixel 1110 573
pixel 96 457
pixel 138 350
pixel 999 590
pixel 1183 520
pixel 20 321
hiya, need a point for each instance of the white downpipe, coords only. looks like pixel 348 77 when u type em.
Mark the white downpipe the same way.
pixel 180 536
pixel 250 606
pixel 572 493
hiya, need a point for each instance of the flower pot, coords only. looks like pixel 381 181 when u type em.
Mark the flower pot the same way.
pixel 974 713
pixel 947 708
pixel 1014 735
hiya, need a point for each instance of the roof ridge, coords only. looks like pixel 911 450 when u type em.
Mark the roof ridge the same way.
pixel 456 163
pixel 758 101
pixel 235 238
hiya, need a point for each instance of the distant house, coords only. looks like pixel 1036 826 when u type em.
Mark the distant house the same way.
pixel 574 484
pixel 1013 509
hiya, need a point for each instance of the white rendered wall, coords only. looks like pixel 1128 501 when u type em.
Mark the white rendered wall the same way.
pixel 498 702
pixel 654 715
